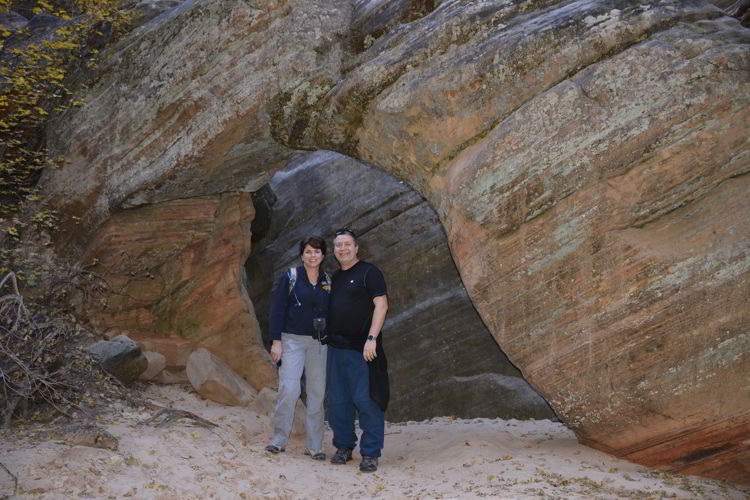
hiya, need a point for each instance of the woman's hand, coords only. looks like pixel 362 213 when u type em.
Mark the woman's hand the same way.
pixel 276 351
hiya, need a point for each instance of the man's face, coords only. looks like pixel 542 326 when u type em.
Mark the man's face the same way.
pixel 345 249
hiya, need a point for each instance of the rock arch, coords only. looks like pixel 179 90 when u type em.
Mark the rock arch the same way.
pixel 441 358
pixel 587 159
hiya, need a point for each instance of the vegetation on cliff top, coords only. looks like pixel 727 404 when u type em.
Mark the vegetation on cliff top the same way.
pixel 46 46
pixel 42 43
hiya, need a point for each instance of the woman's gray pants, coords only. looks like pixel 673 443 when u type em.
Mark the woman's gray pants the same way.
pixel 300 352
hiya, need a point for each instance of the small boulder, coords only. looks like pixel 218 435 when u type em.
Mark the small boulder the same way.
pixel 156 364
pixel 265 402
pixel 167 376
pixel 120 357
pixel 175 350
pixel 213 379
pixel 110 334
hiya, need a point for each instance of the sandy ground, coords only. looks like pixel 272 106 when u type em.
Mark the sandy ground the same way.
pixel 441 458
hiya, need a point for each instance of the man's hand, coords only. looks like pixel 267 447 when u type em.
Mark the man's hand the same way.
pixel 276 351
pixel 378 317
pixel 369 350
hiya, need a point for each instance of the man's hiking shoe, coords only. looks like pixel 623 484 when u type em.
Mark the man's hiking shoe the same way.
pixel 342 456
pixel 368 464
pixel 272 448
pixel 316 455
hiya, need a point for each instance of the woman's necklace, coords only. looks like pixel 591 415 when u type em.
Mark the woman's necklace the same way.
pixel 313 280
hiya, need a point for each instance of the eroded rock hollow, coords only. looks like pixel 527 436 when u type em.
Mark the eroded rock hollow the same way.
pixel 588 161
pixel 442 360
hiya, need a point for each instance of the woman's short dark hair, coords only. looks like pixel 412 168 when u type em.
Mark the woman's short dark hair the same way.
pixel 313 241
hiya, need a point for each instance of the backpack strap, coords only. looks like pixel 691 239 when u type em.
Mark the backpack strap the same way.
pixel 292 274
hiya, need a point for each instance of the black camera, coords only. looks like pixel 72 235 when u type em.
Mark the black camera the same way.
pixel 319 325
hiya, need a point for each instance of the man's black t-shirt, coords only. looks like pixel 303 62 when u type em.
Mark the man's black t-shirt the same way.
pixel 351 306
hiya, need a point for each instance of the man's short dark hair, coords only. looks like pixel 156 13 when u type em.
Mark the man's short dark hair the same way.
pixel 315 242
pixel 346 230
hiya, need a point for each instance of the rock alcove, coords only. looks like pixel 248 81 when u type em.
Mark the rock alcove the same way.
pixel 443 360
pixel 587 160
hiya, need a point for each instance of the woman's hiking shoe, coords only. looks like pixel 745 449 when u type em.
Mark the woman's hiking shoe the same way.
pixel 272 448
pixel 341 456
pixel 368 464
pixel 316 455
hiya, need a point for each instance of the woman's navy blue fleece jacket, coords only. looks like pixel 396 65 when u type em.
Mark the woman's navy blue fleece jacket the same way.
pixel 293 311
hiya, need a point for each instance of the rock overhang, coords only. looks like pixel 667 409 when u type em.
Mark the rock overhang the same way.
pixel 545 140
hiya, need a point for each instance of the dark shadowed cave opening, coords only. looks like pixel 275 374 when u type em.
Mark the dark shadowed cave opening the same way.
pixel 442 359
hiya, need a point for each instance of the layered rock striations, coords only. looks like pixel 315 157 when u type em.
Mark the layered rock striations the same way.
pixel 587 159
pixel 578 154
pixel 175 271
pixel 441 358
pixel 180 108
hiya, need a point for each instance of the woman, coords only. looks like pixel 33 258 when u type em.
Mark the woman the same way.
pixel 299 302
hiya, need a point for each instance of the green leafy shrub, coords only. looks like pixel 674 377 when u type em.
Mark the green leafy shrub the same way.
pixel 34 84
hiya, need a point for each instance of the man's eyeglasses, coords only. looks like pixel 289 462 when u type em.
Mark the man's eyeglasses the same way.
pixel 345 231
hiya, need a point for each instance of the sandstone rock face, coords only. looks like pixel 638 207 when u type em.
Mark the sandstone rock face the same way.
pixel 442 359
pixel 213 379
pixel 121 357
pixel 193 110
pixel 578 158
pixel 176 271
pixel 588 160
pixel 371 19
pixel 735 8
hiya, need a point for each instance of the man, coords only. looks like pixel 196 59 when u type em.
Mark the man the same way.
pixel 358 305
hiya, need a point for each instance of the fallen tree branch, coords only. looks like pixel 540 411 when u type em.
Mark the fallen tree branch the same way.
pixel 41 367
pixel 15 479
pixel 170 415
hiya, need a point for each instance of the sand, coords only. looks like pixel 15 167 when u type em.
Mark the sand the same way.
pixel 440 458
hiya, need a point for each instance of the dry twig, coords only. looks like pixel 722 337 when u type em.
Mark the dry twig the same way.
pixel 167 416
pixel 15 479
pixel 40 366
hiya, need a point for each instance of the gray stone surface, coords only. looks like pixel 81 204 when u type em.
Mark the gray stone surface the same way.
pixel 121 357
pixel 442 359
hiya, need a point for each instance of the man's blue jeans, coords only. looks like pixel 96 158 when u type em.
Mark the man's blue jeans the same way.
pixel 349 389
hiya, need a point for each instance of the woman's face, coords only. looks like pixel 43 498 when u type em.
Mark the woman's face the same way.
pixel 312 257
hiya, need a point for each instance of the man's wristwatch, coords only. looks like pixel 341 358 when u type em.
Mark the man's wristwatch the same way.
pixel 370 337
